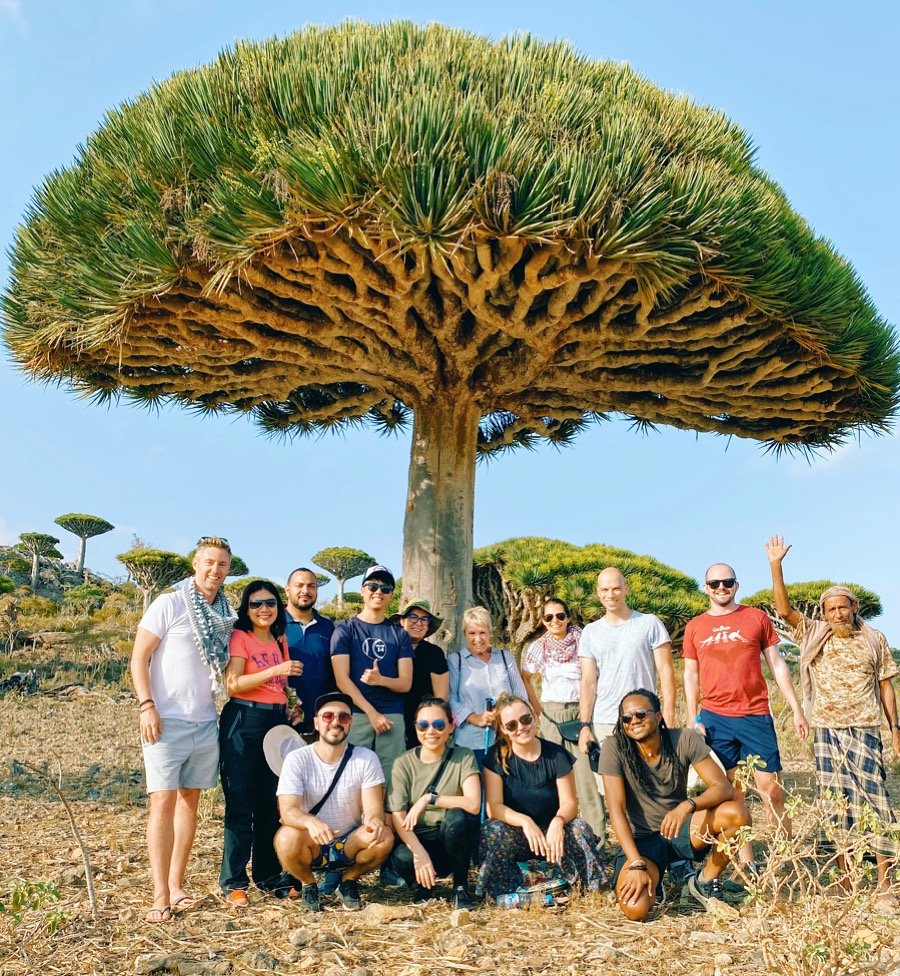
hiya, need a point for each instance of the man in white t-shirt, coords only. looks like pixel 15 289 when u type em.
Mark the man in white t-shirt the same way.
pixel 180 649
pixel 347 832
pixel 621 651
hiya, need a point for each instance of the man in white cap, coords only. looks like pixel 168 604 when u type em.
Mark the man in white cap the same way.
pixel 373 666
pixel 331 802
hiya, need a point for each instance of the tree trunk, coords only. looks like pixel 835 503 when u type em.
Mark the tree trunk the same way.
pixel 35 570
pixel 440 505
pixel 79 569
pixel 339 601
pixel 148 599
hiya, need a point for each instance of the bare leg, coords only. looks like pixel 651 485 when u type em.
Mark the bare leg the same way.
pixel 365 855
pixel 185 828
pixel 637 911
pixel 160 842
pixel 296 850
pixel 722 823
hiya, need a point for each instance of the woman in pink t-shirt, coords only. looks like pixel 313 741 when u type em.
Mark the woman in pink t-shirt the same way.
pixel 255 678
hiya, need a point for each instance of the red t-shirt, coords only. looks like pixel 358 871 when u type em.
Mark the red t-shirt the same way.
pixel 727 649
pixel 259 656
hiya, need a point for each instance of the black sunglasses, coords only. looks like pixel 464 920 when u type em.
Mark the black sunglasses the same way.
pixel 639 713
pixel 523 720
pixel 439 724
pixel 554 616
pixel 268 602
pixel 375 587
pixel 727 583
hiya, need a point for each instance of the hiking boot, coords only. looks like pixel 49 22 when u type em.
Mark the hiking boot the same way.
pixel 309 898
pixel 422 894
pixel 348 892
pixel 461 898
pixel 706 892
pixel 388 878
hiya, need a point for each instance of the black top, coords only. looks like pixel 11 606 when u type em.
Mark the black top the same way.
pixel 530 787
pixel 428 659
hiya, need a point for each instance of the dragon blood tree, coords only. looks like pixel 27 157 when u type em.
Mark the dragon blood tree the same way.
pixel 495 241
pixel 85 527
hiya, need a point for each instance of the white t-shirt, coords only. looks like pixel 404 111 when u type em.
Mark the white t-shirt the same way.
pixel 179 678
pixel 305 774
pixel 624 657
pixel 559 682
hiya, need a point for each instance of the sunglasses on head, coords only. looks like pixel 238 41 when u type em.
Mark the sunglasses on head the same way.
pixel 639 713
pixel 342 718
pixel 375 587
pixel 727 583
pixel 523 720
pixel 268 602
pixel 559 615
pixel 439 724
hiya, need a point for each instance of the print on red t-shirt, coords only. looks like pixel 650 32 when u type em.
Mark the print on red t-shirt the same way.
pixel 727 650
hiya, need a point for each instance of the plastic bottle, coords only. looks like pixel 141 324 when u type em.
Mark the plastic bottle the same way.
pixel 521 899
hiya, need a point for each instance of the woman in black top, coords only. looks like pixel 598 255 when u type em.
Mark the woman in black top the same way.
pixel 533 809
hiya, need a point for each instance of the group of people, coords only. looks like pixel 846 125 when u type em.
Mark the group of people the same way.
pixel 359 746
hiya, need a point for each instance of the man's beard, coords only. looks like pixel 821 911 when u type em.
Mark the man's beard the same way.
pixel 842 630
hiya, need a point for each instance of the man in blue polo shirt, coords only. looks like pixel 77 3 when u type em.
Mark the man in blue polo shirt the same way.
pixel 308 635
pixel 373 664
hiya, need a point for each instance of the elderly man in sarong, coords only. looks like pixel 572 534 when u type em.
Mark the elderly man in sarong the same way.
pixel 846 669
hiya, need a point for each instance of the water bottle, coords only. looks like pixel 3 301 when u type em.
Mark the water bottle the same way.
pixel 521 899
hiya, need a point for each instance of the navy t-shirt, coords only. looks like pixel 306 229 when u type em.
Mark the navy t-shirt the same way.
pixel 366 643
pixel 311 645
pixel 530 787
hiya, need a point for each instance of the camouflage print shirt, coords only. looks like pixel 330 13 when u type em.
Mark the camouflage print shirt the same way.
pixel 845 680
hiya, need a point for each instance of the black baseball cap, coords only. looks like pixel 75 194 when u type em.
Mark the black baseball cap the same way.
pixel 336 696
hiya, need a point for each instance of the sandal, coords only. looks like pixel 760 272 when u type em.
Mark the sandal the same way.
pixel 186 902
pixel 159 916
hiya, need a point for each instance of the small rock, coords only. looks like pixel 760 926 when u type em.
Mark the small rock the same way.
pixel 301 937
pixel 257 959
pixel 187 966
pixel 605 954
pixel 361 971
pixel 722 959
pixel 713 937
pixel 460 917
pixel 373 912
pixel 74 876
pixel 151 962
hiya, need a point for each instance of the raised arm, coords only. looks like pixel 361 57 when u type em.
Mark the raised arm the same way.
pixel 776 550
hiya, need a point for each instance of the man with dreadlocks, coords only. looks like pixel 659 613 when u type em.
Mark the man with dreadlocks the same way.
pixel 846 669
pixel 645 767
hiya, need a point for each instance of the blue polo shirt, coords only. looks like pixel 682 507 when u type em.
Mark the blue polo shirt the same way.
pixel 311 645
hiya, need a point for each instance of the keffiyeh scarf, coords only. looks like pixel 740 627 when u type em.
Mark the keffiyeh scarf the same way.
pixel 211 625
pixel 553 651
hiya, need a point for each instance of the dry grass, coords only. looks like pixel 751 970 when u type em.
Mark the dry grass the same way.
pixel 92 736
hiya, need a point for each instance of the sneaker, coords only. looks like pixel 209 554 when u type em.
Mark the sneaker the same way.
pixel 706 891
pixel 309 898
pixel 388 878
pixel 237 898
pixel 330 882
pixel 422 894
pixel 461 898
pixel 348 892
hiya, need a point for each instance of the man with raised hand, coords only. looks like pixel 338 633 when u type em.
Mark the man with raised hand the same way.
pixel 373 665
pixel 726 692
pixel 180 652
pixel 308 636
pixel 645 767
pixel 331 802
pixel 846 671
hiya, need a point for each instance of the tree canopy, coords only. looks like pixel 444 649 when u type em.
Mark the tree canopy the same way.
pixel 155 569
pixel 513 578
pixel 505 241
pixel 343 562
pixel 37 544
pixel 85 527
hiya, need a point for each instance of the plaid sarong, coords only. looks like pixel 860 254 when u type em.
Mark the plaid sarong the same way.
pixel 849 763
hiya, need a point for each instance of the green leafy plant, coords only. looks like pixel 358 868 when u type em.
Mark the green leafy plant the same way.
pixel 29 897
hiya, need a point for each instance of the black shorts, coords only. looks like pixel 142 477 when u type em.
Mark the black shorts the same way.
pixel 663 852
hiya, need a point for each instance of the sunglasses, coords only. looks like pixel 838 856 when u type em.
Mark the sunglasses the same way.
pixel 375 587
pixel 342 718
pixel 414 618
pixel 727 583
pixel 523 720
pixel 268 602
pixel 639 713
pixel 548 617
pixel 439 724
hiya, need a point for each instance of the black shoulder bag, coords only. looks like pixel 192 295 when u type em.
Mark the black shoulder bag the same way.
pixel 318 806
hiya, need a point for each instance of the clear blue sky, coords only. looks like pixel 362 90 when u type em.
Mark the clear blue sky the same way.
pixel 811 83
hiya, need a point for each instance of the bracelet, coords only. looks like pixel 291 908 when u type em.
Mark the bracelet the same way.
pixel 146 701
pixel 637 866
pixel 559 816
pixel 142 710
pixel 693 803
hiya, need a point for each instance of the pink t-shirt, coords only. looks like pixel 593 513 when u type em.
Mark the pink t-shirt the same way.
pixel 259 656
pixel 727 649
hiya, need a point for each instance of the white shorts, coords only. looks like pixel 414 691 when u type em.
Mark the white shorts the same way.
pixel 185 757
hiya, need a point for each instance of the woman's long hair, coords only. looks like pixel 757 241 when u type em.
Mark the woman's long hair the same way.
pixel 628 749
pixel 504 743
pixel 243 614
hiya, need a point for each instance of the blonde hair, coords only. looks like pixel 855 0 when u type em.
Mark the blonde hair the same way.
pixel 477 617
pixel 213 542
pixel 504 743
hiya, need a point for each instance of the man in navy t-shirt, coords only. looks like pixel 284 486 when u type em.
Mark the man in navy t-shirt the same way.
pixel 373 664
pixel 308 636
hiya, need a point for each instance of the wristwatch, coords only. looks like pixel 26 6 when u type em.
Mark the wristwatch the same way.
pixel 433 797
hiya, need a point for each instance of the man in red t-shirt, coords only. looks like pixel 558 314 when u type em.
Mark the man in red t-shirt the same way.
pixel 722 649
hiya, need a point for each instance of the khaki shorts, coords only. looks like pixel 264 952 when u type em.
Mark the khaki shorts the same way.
pixel 185 757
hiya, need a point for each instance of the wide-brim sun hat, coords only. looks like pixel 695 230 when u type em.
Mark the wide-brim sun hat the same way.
pixel 434 622
pixel 278 743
